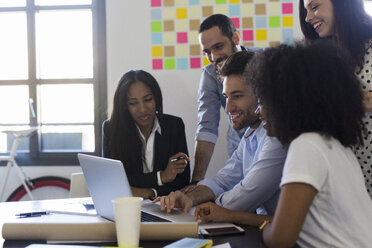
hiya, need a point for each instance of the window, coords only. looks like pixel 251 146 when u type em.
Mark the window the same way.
pixel 53 76
pixel 368 7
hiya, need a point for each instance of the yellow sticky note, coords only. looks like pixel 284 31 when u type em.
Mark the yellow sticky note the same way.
pixel 181 13
pixel 157 51
pixel 261 34
pixel 287 21
pixel 234 1
pixel 205 61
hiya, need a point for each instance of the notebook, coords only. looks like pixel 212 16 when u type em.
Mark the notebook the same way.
pixel 107 180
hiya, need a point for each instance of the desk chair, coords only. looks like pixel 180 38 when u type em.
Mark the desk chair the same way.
pixel 26 181
pixel 78 186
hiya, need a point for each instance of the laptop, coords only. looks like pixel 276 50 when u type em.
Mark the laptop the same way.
pixel 107 180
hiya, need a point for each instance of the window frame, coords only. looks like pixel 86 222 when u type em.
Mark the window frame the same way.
pixel 99 80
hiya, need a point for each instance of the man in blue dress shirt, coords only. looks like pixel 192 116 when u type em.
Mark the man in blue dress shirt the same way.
pixel 218 39
pixel 250 179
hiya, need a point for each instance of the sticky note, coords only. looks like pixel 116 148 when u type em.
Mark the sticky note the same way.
pixel 234 10
pixel 221 9
pixel 260 9
pixel 194 37
pixel 195 63
pixel 195 50
pixel 169 38
pixel 205 61
pixel 236 21
pixel 287 21
pixel 247 22
pixel 274 21
pixel 273 9
pixel 181 2
pixel 157 51
pixel 248 35
pixel 194 2
pixel 261 34
pixel 156 38
pixel 274 34
pixel 205 2
pixel 170 64
pixel 260 21
pixel 287 8
pixel 260 43
pixel 157 64
pixel 182 63
pixel 194 24
pixel 234 1
pixel 169 51
pixel 287 35
pixel 182 37
pixel 182 51
pixel 194 12
pixel 156 26
pixel 168 3
pixel 207 11
pixel 155 3
pixel 169 13
pixel 155 14
pixel 181 13
pixel 182 25
pixel 247 9
pixel 220 1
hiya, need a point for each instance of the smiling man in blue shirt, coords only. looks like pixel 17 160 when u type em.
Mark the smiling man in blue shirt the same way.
pixel 218 39
pixel 250 179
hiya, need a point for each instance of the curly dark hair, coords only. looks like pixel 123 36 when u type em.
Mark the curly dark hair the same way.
pixel 223 22
pixel 353 27
pixel 125 143
pixel 309 89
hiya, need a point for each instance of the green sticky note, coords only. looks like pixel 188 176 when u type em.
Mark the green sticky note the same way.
pixel 274 21
pixel 156 26
pixel 220 1
pixel 170 64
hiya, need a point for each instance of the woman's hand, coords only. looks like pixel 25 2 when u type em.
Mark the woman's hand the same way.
pixel 174 168
pixel 210 211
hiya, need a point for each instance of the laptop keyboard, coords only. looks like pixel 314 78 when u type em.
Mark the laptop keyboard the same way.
pixel 146 217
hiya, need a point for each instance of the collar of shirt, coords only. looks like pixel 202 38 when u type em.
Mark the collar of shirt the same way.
pixel 148 147
pixel 250 132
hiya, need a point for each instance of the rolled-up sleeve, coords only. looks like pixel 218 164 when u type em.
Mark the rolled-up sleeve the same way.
pixel 261 183
pixel 209 100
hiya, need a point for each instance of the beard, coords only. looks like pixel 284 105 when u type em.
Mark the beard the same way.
pixel 220 61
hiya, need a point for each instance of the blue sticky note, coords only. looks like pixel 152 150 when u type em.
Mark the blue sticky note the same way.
pixel 156 14
pixel 260 22
pixel 194 2
pixel 234 10
pixel 156 38
pixel 287 36
pixel 182 64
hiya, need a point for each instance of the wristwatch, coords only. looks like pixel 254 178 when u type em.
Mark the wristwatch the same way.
pixel 264 224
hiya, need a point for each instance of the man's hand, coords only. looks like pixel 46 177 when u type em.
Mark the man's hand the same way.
pixel 175 199
pixel 174 168
pixel 209 211
pixel 189 188
pixel 145 193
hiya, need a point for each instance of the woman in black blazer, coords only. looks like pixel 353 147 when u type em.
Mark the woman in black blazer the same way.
pixel 147 141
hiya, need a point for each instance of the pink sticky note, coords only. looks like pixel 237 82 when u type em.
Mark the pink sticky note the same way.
pixel 287 8
pixel 195 63
pixel 236 22
pixel 157 64
pixel 182 37
pixel 155 3
pixel 247 35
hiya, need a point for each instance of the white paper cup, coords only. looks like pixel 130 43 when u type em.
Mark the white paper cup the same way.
pixel 127 220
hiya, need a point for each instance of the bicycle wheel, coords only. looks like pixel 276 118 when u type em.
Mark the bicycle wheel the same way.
pixel 43 188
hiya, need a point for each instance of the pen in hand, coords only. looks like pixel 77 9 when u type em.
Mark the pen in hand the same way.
pixel 176 159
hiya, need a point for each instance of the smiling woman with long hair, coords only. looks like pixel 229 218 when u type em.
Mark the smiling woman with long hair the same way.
pixel 145 139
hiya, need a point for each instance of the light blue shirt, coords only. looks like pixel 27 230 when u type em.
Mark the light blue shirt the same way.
pixel 250 179
pixel 210 100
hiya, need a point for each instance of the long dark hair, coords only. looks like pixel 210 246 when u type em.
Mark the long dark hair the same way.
pixel 309 89
pixel 124 140
pixel 353 27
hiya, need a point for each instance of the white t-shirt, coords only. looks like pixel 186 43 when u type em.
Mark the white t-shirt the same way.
pixel 341 212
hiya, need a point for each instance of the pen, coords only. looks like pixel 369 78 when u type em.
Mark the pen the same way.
pixel 32 214
pixel 176 159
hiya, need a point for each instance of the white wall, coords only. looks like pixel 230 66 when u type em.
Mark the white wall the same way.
pixel 129 47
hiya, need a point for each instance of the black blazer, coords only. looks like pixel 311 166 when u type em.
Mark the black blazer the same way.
pixel 171 141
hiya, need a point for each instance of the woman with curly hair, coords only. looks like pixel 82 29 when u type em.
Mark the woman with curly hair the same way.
pixel 323 201
pixel 151 145
pixel 346 23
